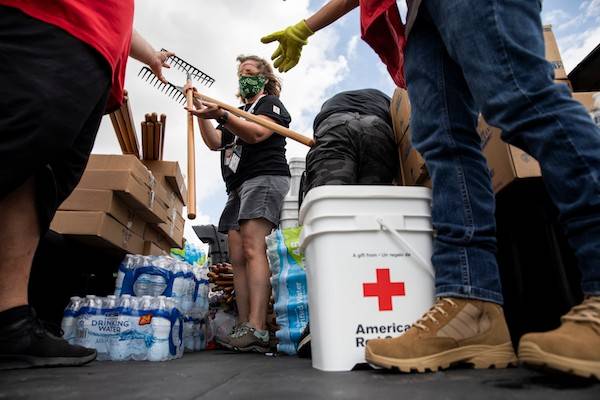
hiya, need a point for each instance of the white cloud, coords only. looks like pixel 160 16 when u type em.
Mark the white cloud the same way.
pixel 352 46
pixel 554 17
pixel 210 35
pixel 575 47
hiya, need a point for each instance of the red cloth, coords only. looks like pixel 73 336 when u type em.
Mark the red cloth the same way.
pixel 383 30
pixel 106 25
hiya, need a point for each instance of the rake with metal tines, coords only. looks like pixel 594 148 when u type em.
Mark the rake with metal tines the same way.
pixel 186 67
pixel 175 92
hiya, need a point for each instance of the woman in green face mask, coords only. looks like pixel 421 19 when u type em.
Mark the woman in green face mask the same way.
pixel 257 178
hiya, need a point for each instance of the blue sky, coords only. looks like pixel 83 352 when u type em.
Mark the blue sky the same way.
pixel 210 34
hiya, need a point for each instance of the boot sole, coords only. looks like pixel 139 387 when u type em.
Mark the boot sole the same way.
pixel 531 354
pixel 23 361
pixel 479 356
pixel 253 348
pixel 224 344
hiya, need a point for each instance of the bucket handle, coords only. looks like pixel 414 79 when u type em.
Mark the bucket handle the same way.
pixel 419 258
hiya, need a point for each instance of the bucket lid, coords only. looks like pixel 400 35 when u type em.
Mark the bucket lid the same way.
pixel 356 192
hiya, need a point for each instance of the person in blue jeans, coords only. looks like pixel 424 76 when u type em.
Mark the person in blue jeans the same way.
pixel 465 57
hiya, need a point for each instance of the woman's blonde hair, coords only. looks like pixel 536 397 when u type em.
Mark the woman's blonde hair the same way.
pixel 273 86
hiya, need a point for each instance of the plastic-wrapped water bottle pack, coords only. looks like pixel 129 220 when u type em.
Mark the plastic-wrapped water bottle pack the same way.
pixel 195 334
pixel 290 290
pixel 126 327
pixel 186 284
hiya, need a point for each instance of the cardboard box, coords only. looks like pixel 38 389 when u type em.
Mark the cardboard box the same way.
pixel 129 162
pixel 154 235
pixel 585 98
pixel 98 229
pixel 107 202
pixel 507 163
pixel 553 53
pixel 400 111
pixel 150 249
pixel 173 230
pixel 137 195
pixel 414 171
pixel 169 174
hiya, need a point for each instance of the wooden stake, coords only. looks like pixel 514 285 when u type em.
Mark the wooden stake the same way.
pixel 123 129
pixel 128 116
pixel 191 155
pixel 144 140
pixel 163 121
pixel 150 129
pixel 115 125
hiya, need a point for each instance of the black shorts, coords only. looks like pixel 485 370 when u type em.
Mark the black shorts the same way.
pixel 53 92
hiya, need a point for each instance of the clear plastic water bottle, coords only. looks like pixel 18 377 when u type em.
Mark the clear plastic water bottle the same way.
pixel 110 303
pixel 148 284
pixel 69 321
pixel 140 307
pixel 188 334
pixel 179 285
pixel 127 266
pixel 119 343
pixel 190 288
pixel 161 331
pixel 88 309
pixel 93 321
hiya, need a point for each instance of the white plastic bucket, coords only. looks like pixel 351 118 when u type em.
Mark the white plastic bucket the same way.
pixel 367 252
pixel 297 166
pixel 289 213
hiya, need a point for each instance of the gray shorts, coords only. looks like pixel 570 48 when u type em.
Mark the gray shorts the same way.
pixel 260 197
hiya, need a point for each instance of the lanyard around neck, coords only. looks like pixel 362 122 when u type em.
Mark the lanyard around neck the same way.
pixel 251 109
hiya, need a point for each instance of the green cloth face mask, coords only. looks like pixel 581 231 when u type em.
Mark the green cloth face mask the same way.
pixel 250 86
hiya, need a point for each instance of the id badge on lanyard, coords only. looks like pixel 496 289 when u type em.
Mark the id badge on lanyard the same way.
pixel 233 155
pixel 234 159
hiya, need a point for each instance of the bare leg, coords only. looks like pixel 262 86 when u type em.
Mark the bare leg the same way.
pixel 19 238
pixel 253 234
pixel 240 280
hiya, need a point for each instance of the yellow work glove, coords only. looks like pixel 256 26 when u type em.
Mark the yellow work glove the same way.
pixel 291 40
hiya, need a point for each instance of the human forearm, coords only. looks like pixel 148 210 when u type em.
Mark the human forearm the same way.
pixel 210 135
pixel 143 51
pixel 249 132
pixel 330 12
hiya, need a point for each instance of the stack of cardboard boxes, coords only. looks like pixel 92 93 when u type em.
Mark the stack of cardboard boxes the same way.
pixel 125 205
pixel 507 163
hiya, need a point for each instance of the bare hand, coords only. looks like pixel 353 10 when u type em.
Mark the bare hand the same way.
pixel 206 110
pixel 158 62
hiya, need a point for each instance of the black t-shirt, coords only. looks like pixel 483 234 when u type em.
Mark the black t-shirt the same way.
pixel 363 102
pixel 263 158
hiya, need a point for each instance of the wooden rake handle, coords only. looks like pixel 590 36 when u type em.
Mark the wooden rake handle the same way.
pixel 283 131
pixel 191 156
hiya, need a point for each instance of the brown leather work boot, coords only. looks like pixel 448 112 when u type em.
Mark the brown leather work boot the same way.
pixel 573 348
pixel 453 331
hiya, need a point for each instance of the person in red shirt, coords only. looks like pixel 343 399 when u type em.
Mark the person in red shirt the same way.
pixel 62 66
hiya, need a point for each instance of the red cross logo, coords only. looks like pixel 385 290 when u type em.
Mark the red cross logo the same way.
pixel 383 289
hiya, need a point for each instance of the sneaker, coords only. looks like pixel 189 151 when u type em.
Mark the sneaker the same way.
pixel 29 342
pixel 304 343
pixel 454 331
pixel 226 340
pixel 573 348
pixel 248 338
